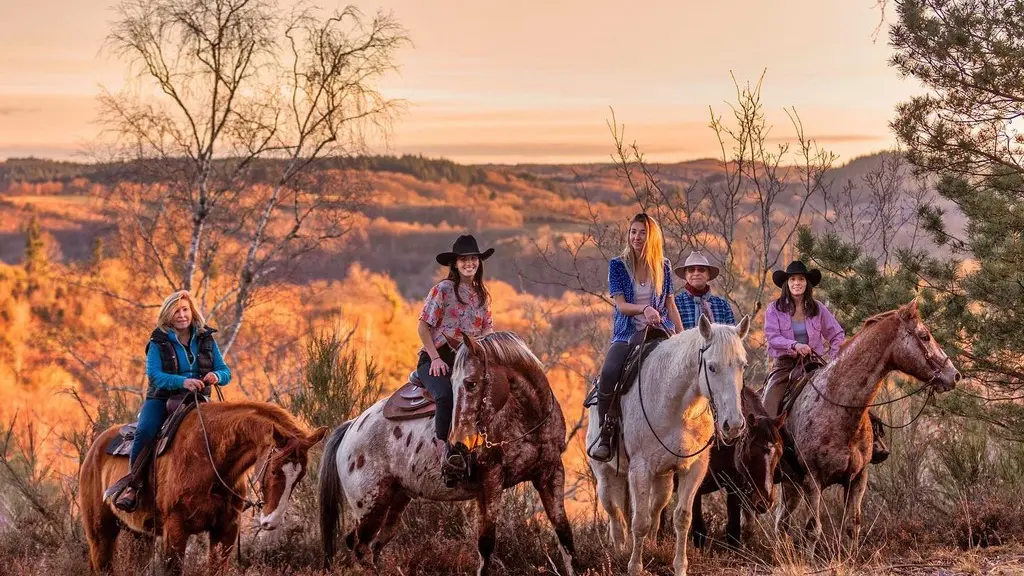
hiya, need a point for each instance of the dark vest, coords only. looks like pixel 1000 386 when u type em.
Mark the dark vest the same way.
pixel 169 357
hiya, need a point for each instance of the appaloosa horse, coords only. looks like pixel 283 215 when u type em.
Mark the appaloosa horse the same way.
pixel 745 470
pixel 225 439
pixel 505 412
pixel 687 391
pixel 828 421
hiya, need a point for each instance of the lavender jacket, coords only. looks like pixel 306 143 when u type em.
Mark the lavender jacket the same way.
pixel 778 329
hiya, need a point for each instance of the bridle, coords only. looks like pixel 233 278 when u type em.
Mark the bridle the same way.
pixel 483 428
pixel 255 504
pixel 702 368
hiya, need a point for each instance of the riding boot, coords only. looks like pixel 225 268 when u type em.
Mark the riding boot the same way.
pixel 602 452
pixel 879 451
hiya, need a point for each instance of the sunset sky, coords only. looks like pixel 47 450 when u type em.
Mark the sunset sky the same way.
pixel 525 80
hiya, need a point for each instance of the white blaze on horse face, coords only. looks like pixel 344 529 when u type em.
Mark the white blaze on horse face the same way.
pixel 463 429
pixel 291 473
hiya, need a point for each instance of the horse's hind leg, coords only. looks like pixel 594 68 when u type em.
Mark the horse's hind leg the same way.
pixel 551 486
pixel 390 525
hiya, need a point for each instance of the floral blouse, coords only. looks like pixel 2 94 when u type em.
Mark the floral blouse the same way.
pixel 446 316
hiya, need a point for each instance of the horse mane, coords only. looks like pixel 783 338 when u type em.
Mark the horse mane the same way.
pixel 238 417
pixel 506 348
pixel 868 323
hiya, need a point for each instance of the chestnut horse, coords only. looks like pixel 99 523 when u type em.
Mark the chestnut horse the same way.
pixel 200 480
pixel 373 467
pixel 829 422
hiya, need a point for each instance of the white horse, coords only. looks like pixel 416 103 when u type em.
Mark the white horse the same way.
pixel 668 408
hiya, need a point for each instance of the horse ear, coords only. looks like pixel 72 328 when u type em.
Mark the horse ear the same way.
pixel 317 435
pixel 909 312
pixel 744 327
pixel 705 327
pixel 280 440
pixel 471 344
pixel 781 419
pixel 751 420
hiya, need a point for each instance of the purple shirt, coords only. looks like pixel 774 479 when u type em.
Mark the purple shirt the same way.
pixel 778 329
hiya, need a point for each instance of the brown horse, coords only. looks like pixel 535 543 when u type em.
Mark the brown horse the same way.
pixel 190 494
pixel 828 422
pixel 373 467
pixel 746 470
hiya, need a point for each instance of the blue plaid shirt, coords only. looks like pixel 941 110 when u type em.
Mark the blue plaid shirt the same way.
pixel 689 312
pixel 620 282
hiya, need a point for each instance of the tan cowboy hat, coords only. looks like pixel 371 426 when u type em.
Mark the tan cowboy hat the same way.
pixel 696 258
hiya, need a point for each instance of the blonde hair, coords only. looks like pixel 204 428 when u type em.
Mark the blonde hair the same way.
pixel 653 254
pixel 171 303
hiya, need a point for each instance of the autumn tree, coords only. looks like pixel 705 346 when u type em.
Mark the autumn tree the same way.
pixel 234 107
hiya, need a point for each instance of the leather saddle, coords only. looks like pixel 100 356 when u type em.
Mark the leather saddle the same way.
pixel 178 406
pixel 639 351
pixel 409 402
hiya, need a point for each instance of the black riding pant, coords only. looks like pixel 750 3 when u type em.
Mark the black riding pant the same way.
pixel 440 387
pixel 614 360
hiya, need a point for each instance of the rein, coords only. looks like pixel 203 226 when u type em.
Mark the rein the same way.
pixel 258 503
pixel 702 367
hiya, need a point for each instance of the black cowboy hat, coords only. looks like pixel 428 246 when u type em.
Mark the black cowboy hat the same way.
pixel 464 245
pixel 796 267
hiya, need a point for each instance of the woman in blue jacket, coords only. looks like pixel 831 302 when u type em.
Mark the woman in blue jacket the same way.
pixel 640 283
pixel 181 356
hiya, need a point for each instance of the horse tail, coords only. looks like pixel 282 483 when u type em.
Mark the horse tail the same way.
pixel 331 497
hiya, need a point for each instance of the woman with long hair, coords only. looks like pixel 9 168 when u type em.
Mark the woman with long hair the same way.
pixel 640 283
pixel 457 305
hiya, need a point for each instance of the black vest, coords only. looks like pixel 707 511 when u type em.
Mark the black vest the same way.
pixel 169 357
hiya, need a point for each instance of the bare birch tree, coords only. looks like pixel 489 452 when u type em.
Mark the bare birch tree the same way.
pixel 228 130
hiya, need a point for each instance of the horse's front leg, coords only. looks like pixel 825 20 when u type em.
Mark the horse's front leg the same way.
pixel 854 497
pixel 791 494
pixel 698 529
pixel 175 542
pixel 734 507
pixel 551 486
pixel 490 493
pixel 813 529
pixel 689 482
pixel 222 541
pixel 661 493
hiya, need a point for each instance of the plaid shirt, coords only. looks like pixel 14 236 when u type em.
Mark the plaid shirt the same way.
pixel 620 282
pixel 689 313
